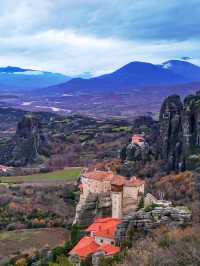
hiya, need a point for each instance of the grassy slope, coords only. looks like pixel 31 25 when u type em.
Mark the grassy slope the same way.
pixel 68 174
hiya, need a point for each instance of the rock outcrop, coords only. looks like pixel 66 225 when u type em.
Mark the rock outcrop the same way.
pixel 180 132
pixel 135 152
pixel 144 222
pixel 26 147
pixel 171 131
pixel 132 152
pixel 28 135
pixel 95 205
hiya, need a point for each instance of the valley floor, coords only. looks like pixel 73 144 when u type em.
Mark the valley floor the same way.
pixel 67 174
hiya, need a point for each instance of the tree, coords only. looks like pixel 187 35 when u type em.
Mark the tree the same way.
pixel 75 234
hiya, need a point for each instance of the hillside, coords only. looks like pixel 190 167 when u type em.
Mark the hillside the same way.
pixel 59 141
pixel 134 75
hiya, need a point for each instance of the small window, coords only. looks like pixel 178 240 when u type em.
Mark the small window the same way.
pixel 166 115
pixel 112 242
pixel 198 140
pixel 101 240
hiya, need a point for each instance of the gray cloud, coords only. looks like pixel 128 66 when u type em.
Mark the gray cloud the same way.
pixel 74 36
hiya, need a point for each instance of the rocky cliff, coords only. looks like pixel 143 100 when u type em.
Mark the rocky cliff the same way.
pixel 146 152
pixel 142 222
pixel 95 205
pixel 180 132
pixel 26 147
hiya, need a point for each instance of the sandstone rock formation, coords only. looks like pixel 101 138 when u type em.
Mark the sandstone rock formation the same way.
pixel 28 135
pixel 171 130
pixel 134 152
pixel 180 132
pixel 93 206
pixel 143 222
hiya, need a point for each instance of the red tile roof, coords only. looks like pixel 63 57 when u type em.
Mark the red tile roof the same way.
pixel 134 182
pixel 99 175
pixel 122 181
pixel 105 227
pixel 114 179
pixel 137 139
pixel 87 246
pixel 109 249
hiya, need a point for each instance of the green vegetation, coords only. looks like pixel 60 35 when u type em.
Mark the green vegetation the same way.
pixel 68 174
pixel 151 207
pixel 141 203
pixel 122 129
pixel 61 261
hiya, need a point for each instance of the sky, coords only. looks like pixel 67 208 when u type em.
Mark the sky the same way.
pixel 97 36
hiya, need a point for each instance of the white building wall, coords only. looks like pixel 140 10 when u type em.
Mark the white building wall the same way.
pixel 103 240
pixel 141 189
pixel 116 204
pixel 132 192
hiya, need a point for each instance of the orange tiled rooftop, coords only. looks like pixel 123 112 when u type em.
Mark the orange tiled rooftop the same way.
pixel 99 175
pixel 85 247
pixel 114 179
pixel 104 227
pixel 137 139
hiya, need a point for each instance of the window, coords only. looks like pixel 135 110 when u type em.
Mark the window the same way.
pixel 198 140
pixel 112 242
pixel 166 115
pixel 101 240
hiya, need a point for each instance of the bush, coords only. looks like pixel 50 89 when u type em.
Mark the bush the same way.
pixel 57 252
pixel 151 207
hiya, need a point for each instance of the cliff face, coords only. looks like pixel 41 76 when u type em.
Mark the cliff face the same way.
pixel 142 222
pixel 28 135
pixel 132 152
pixel 26 146
pixel 171 133
pixel 180 132
pixel 95 205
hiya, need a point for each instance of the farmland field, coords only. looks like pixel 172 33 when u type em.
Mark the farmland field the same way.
pixel 12 242
pixel 68 174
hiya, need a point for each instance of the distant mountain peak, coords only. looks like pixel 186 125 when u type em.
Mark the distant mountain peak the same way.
pixel 176 61
pixel 12 69
pixel 14 78
pixel 183 68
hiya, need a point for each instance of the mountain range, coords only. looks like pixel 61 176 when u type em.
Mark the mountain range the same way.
pixel 15 78
pixel 135 75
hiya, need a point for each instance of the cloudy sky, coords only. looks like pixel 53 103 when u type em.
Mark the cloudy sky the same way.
pixel 97 36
